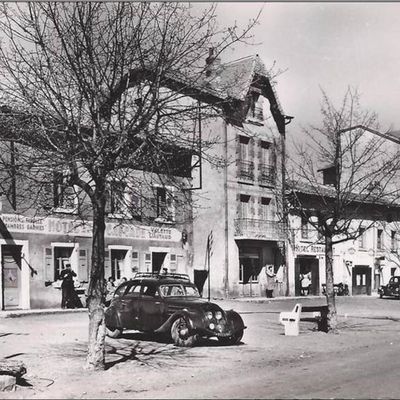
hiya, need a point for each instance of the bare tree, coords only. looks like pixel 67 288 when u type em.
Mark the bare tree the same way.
pixel 96 90
pixel 359 185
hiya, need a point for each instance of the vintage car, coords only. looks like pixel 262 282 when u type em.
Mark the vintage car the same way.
pixel 170 304
pixel 392 289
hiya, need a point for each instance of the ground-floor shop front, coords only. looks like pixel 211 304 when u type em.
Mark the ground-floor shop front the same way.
pixel 35 252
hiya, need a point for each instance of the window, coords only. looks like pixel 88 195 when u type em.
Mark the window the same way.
pixel 379 239
pixel 244 206
pixel 135 262
pixel 305 232
pixel 361 238
pixel 172 262
pixel 165 205
pixel 393 238
pixel 65 197
pixel 265 208
pixel 329 176
pixel 244 148
pixel 117 198
pixel 248 270
pixel 134 290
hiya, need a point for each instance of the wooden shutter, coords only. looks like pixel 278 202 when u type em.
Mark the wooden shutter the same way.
pixel 252 206
pixel 83 265
pixel 107 264
pixel 251 149
pixel 48 264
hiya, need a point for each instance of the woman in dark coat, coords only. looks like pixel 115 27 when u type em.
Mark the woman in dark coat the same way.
pixel 69 298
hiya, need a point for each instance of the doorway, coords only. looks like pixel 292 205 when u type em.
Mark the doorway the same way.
pixel 118 258
pixel 307 265
pixel 11 276
pixel 157 261
pixel 361 280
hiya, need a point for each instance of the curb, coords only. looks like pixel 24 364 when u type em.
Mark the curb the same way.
pixel 23 313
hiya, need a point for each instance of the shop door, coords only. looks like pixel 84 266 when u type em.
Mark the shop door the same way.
pixel 11 266
pixel 310 266
pixel 117 263
pixel 157 261
pixel 361 280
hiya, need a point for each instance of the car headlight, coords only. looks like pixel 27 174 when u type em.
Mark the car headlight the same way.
pixel 218 315
pixel 209 315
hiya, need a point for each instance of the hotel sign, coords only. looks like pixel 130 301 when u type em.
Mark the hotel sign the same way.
pixel 57 226
pixel 309 248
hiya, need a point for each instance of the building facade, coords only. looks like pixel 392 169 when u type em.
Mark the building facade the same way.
pixel 35 246
pixel 238 230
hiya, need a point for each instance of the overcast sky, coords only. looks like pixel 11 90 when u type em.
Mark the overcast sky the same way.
pixel 328 45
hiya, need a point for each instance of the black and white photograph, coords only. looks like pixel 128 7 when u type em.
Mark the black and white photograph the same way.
pixel 199 200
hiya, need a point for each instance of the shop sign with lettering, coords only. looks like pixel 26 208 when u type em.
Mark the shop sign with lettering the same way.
pixel 309 248
pixel 69 227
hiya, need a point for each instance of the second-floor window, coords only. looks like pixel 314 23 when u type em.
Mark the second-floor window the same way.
pixel 265 209
pixel 361 238
pixel 244 206
pixel 118 205
pixel 165 204
pixel 393 240
pixel 379 239
pixel 305 228
pixel 65 196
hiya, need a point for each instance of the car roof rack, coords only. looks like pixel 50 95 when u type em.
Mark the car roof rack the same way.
pixel 157 275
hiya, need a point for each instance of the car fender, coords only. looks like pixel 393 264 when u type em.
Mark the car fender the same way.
pixel 190 318
pixel 235 320
pixel 113 317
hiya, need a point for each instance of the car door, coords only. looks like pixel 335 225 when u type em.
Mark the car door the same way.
pixel 129 307
pixel 151 308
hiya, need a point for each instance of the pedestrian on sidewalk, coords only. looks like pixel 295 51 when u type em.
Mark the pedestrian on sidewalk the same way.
pixel 67 287
pixel 271 281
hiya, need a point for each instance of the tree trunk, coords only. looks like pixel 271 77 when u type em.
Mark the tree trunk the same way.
pixel 330 293
pixel 96 295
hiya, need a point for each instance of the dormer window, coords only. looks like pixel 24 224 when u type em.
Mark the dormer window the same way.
pixel 328 175
pixel 256 106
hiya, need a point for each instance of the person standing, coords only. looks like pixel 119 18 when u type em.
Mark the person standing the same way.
pixel 271 278
pixel 67 287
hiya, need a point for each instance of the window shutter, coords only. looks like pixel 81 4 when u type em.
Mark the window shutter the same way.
pixel 252 206
pixel 251 149
pixel 237 147
pixel 260 150
pixel 108 201
pixel 135 262
pixel 147 262
pixel 260 208
pixel 107 264
pixel 83 265
pixel 238 206
pixel 48 264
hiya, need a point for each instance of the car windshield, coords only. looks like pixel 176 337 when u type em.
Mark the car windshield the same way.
pixel 178 290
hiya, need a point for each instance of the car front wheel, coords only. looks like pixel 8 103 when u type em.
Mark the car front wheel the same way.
pixel 232 340
pixel 113 332
pixel 180 334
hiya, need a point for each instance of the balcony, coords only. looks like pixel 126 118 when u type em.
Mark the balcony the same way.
pixel 245 170
pixel 267 175
pixel 259 229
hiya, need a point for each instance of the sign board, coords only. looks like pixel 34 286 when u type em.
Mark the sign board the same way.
pixel 70 227
pixel 309 248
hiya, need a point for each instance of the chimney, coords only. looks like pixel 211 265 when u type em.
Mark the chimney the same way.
pixel 212 62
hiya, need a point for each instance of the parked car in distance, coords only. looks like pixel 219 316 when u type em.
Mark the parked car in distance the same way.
pixel 392 289
pixel 170 304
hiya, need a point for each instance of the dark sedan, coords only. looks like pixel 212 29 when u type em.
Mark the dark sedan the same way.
pixel 170 304
pixel 392 289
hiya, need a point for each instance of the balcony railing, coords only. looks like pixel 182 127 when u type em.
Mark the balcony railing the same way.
pixel 267 175
pixel 259 229
pixel 245 170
